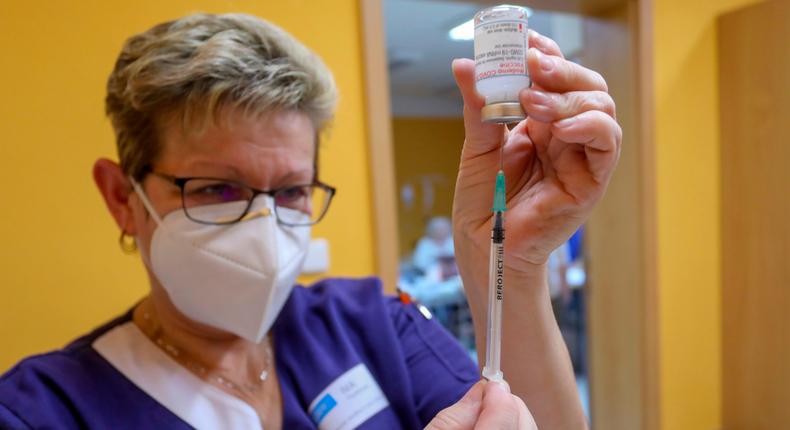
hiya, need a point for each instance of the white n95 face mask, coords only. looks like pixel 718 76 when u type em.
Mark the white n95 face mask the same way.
pixel 233 277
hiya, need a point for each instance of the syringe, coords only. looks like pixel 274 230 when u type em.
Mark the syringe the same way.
pixel 496 285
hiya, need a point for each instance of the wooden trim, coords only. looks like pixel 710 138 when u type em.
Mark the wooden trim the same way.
pixel 379 134
pixel 651 398
pixel 621 235
pixel 754 108
pixel 614 230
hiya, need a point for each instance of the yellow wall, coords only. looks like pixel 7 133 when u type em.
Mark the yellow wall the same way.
pixel 62 272
pixel 687 169
pixel 425 147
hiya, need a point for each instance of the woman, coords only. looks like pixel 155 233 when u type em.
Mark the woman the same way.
pixel 217 119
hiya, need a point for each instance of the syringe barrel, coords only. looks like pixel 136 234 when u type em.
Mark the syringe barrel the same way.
pixel 492 369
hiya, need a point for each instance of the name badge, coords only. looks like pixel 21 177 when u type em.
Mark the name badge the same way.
pixel 348 401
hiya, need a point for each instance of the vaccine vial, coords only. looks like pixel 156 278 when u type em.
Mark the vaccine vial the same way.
pixel 501 61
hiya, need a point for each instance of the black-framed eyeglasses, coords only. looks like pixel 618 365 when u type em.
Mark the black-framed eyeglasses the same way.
pixel 295 205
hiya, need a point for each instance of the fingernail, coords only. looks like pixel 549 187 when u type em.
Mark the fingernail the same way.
pixel 545 43
pixel 469 398
pixel 567 122
pixel 539 39
pixel 474 395
pixel 501 386
pixel 539 97
pixel 546 63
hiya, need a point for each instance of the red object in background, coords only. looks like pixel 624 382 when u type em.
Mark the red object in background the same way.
pixel 404 297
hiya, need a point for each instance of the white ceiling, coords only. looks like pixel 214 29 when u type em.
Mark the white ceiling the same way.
pixel 419 51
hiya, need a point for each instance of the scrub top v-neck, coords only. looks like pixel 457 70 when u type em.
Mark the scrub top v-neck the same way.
pixel 346 356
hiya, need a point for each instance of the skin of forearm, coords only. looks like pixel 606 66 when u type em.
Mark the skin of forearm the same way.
pixel 535 360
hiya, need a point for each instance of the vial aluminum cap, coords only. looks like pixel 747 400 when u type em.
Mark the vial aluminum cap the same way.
pixel 503 113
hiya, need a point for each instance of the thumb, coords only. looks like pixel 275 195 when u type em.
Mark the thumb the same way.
pixel 463 414
pixel 500 409
pixel 480 137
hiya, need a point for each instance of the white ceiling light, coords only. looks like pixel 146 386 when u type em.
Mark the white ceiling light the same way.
pixel 466 31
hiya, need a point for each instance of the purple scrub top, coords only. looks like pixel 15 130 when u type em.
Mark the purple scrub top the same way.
pixel 322 332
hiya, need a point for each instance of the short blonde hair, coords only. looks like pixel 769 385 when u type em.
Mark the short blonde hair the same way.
pixel 196 66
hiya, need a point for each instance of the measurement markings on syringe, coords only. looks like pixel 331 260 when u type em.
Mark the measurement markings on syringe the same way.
pixel 500 269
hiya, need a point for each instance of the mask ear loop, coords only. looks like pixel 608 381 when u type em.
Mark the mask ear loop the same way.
pixel 148 206
pixel 151 211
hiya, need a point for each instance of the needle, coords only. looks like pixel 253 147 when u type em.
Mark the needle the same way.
pixel 492 370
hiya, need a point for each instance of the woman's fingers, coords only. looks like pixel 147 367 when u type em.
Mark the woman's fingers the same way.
pixel 555 74
pixel 486 406
pixel 545 44
pixel 480 137
pixel 463 414
pixel 464 73
pixel 549 71
pixel 500 410
pixel 600 135
pixel 546 106
pixel 525 419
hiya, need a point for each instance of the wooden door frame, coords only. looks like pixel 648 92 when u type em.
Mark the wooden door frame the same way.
pixel 379 134
pixel 650 343
pixel 384 193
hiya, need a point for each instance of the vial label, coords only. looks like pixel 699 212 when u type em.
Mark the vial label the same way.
pixel 500 49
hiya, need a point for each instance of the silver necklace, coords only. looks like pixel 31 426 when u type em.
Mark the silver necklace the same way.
pixel 201 370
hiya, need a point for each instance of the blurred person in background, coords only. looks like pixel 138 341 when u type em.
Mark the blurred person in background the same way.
pixel 433 280
pixel 558 263
pixel 438 241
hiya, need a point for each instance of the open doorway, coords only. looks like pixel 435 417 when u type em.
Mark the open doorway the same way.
pixel 422 38
pixel 615 328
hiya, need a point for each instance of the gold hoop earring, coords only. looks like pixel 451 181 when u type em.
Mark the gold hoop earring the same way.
pixel 128 243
